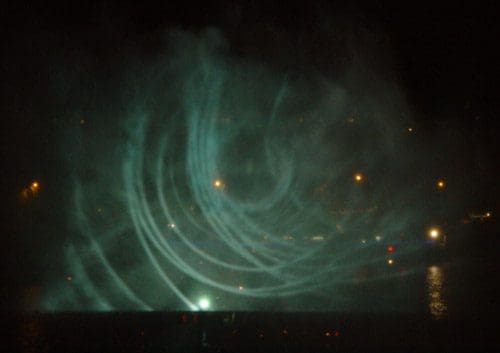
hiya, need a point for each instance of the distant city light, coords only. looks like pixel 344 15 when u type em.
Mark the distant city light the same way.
pixel 410 129
pixel 390 248
pixel 31 190
pixel 378 238
pixel 358 177
pixel 171 225
pixel 204 303
pixel 217 183
pixel 434 233
pixel 390 261
pixel 441 184
pixel 480 216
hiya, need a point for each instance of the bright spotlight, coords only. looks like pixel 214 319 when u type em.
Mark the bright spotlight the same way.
pixel 204 303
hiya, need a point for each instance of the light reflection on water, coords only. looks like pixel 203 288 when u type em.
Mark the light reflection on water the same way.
pixel 434 285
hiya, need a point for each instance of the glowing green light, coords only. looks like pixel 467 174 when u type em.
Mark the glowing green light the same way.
pixel 204 303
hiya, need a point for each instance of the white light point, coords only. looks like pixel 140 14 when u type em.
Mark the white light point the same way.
pixel 204 303
pixel 218 184
pixel 434 233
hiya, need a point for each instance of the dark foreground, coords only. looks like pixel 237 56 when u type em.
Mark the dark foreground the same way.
pixel 245 332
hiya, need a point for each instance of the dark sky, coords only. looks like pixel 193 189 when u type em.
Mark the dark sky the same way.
pixel 443 58
pixel 444 54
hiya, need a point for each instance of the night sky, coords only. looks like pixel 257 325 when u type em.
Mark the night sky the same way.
pixel 93 93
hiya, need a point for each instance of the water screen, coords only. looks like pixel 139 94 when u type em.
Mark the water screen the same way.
pixel 212 182
pixel 207 169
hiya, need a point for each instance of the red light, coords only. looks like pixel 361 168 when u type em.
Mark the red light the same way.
pixel 184 318
pixel 337 334
pixel 390 248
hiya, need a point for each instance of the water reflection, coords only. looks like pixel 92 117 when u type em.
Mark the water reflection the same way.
pixel 434 281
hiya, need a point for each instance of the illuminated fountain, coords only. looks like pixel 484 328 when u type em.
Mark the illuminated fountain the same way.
pixel 206 202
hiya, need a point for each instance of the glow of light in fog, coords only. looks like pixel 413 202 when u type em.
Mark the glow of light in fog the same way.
pixel 358 177
pixel 204 303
